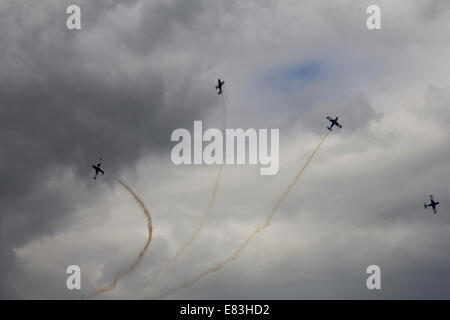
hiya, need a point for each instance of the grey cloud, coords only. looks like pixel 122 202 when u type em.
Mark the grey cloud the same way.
pixel 139 69
pixel 60 109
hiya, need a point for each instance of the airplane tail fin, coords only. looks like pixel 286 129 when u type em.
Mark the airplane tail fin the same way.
pixel 425 205
pixel 329 128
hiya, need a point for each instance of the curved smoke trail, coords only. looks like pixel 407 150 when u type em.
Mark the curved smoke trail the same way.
pixel 141 254
pixel 208 210
pixel 239 250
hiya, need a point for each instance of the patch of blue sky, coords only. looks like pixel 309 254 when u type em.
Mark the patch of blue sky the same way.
pixel 293 77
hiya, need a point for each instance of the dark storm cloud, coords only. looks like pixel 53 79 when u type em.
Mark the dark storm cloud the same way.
pixel 156 22
pixel 139 69
pixel 62 106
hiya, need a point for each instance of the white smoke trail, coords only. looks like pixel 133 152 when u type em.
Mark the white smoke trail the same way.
pixel 141 254
pixel 239 250
pixel 208 210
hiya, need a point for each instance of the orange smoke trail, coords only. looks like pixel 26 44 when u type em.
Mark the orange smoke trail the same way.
pixel 130 268
pixel 238 251
pixel 208 210
pixel 224 114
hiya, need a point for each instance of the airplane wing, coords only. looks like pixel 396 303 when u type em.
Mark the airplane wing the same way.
pixel 339 125
pixel 329 118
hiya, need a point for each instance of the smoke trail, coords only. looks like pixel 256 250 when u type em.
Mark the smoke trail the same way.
pixel 130 268
pixel 208 210
pixel 224 115
pixel 237 252
pixel 210 204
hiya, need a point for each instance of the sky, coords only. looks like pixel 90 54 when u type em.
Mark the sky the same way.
pixel 137 70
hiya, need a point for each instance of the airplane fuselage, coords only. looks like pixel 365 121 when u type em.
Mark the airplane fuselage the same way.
pixel 433 204
pixel 219 86
pixel 97 170
pixel 334 122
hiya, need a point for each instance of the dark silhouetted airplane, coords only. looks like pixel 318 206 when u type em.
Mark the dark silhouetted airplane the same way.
pixel 334 122
pixel 219 85
pixel 432 204
pixel 97 168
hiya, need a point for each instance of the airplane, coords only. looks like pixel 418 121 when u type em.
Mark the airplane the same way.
pixel 334 122
pixel 219 85
pixel 432 204
pixel 97 168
